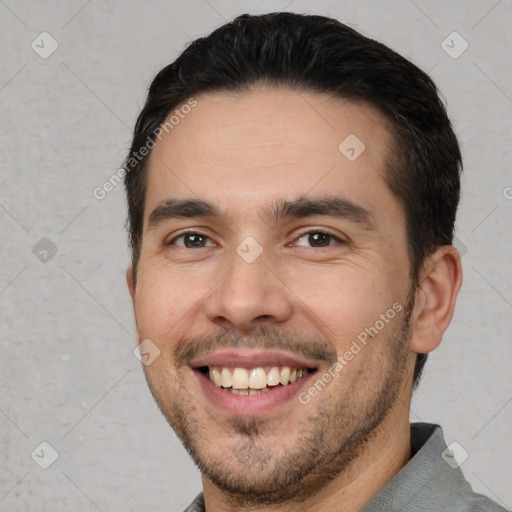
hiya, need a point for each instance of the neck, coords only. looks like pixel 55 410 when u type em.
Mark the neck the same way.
pixel 384 455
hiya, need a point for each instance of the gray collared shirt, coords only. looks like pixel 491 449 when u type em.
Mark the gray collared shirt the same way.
pixel 430 482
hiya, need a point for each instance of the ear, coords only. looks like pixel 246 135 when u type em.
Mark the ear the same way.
pixel 440 282
pixel 130 281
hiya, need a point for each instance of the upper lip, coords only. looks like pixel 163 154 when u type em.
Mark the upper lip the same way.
pixel 233 358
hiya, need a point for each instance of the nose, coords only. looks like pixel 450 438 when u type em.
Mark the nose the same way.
pixel 249 294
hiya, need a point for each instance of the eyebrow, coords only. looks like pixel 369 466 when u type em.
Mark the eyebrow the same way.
pixel 337 207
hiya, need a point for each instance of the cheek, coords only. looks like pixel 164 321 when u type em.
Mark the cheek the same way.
pixel 344 300
pixel 162 299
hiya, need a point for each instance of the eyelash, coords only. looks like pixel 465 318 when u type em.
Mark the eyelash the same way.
pixel 322 232
pixel 304 233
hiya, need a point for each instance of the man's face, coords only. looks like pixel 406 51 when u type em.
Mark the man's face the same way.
pixel 275 291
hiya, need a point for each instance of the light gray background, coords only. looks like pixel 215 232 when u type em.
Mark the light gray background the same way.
pixel 67 372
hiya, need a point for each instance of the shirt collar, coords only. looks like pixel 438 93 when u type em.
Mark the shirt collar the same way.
pixel 426 482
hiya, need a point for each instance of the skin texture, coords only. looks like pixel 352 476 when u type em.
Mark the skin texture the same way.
pixel 242 152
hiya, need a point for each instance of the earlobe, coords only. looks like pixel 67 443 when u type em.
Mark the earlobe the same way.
pixel 435 298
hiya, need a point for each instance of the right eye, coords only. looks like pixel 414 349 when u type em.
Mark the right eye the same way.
pixel 190 240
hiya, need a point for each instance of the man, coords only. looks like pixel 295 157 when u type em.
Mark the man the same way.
pixel 292 190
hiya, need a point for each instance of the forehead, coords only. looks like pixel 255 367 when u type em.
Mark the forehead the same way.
pixel 270 144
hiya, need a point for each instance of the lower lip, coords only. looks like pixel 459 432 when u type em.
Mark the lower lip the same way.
pixel 250 405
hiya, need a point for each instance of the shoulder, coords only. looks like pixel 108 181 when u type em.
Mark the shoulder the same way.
pixel 473 502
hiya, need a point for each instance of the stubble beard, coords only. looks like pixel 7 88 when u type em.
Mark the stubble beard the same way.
pixel 332 436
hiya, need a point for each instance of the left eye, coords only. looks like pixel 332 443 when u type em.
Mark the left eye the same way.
pixel 191 241
pixel 318 239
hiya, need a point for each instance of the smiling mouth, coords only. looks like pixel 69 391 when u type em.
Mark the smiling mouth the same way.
pixel 253 381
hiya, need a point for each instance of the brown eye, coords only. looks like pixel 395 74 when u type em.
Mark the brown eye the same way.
pixel 190 240
pixel 318 239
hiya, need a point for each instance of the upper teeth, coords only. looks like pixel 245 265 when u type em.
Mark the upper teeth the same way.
pixel 254 378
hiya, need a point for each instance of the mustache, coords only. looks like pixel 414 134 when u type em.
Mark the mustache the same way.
pixel 262 338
